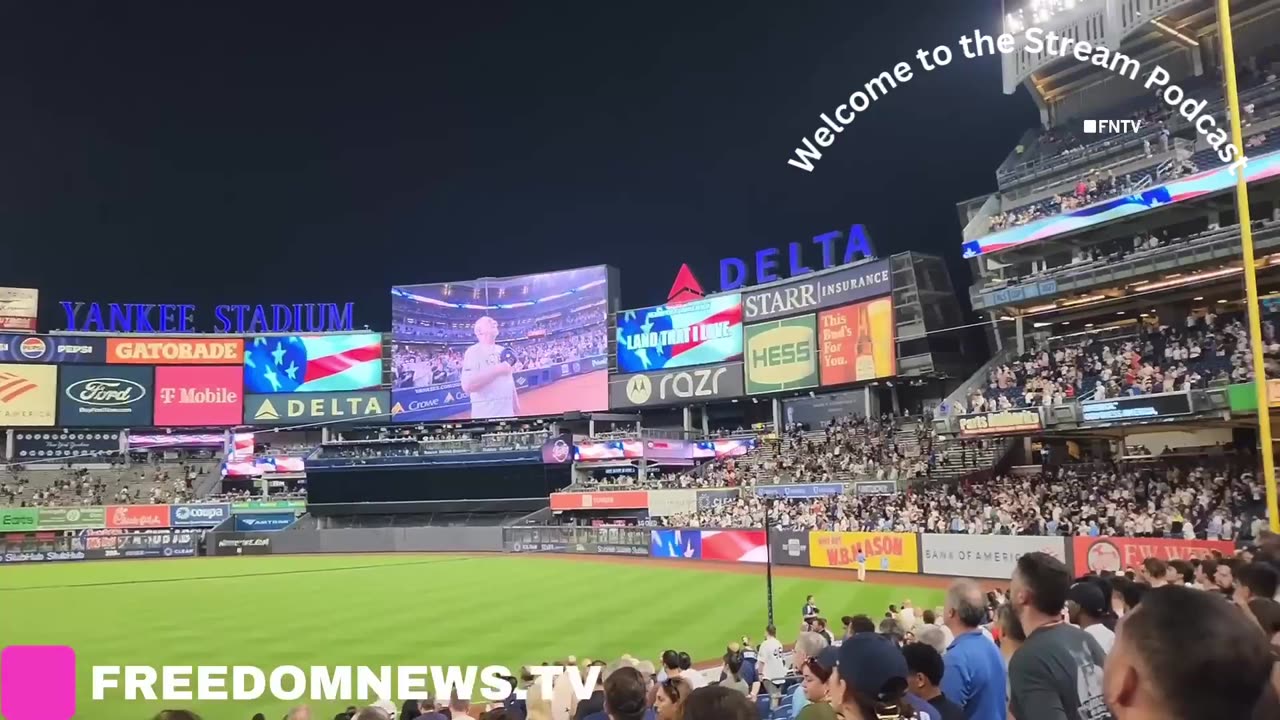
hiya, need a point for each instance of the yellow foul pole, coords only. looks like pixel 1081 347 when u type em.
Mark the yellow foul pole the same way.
pixel 1250 269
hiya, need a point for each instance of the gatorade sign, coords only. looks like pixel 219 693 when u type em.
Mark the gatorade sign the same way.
pixel 782 355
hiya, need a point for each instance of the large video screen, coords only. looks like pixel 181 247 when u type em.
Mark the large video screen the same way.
pixel 674 336
pixel 501 347
pixel 857 342
pixel 313 363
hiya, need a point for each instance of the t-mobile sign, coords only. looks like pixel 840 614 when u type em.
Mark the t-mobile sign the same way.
pixel 196 396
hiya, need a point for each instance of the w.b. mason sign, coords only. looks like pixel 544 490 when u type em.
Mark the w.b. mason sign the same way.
pixel 676 387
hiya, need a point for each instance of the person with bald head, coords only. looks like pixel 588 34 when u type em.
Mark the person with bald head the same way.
pixel 488 374
pixel 975 677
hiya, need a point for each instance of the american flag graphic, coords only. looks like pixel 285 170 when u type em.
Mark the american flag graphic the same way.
pixel 743 546
pixel 685 335
pixel 14 386
pixel 313 363
pixel 241 449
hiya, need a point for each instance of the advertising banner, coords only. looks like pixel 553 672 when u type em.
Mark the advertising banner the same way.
pixel 265 522
pixel 19 519
pixel 1096 554
pixel 137 442
pixel 547 335
pixel 715 497
pixel 983 556
pixel 54 446
pixel 52 349
pixel 540 547
pixel 261 506
pixel 41 557
pixel 799 490
pixel 788 547
pixel 665 503
pixel 816 292
pixel 1001 423
pixel 1140 407
pixel 665 337
pixel 782 355
pixel 177 351
pixel 198 515
pixel 742 546
pixel 72 518
pixel 676 387
pixel 684 544
pixel 102 396
pixel 558 451
pixel 313 363
pixel 108 544
pixel 28 395
pixel 623 500
pixel 857 342
pixel 317 407
pixel 875 487
pixel 886 552
pixel 19 308
pixel 821 409
pixel 240 543
pixel 195 396
pixel 615 549
pixel 137 516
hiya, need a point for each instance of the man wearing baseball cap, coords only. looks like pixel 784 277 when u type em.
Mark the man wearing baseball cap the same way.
pixel 871 675
pixel 1087 608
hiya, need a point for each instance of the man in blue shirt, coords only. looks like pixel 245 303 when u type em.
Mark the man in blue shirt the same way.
pixel 975 676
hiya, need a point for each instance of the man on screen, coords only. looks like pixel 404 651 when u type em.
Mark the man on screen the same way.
pixel 487 370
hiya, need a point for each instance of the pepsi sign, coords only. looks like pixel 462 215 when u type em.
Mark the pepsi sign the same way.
pixel 53 349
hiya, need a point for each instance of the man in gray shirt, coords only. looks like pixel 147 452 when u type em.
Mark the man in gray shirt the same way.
pixel 1057 673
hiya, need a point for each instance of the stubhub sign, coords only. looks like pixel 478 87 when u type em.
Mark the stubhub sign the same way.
pixel 736 272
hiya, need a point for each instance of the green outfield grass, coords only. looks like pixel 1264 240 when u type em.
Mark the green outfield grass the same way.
pixel 393 610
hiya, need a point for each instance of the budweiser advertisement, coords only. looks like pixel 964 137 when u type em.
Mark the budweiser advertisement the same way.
pixel 198 396
pixel 626 500
pixel 137 516
pixel 1096 554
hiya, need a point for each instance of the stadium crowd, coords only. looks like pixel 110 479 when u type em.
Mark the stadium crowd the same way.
pixel 1220 502
pixel 72 486
pixel 1204 349
pixel 1046 645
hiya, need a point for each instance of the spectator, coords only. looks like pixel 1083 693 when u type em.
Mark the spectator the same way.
pixel 1011 635
pixel 975 675
pixel 672 694
pixel 460 708
pixel 808 645
pixel 926 668
pixel 933 636
pixel 695 678
pixel 718 703
pixel 815 675
pixel 594 703
pixel 1215 665
pixel 1058 670
pixel 1087 608
pixel 733 664
pixel 1255 580
pixel 177 715
pixel 870 681
pixel 537 704
pixel 773 665
pixel 625 695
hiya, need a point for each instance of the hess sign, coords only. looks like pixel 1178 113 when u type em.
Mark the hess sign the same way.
pixel 227 319
pixel 737 272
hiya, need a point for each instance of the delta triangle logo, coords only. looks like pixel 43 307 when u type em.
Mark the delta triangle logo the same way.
pixel 397 409
pixel 686 288
pixel 266 411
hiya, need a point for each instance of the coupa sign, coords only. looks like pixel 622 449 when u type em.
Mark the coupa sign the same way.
pixel 677 386
pixel 771 265
pixel 198 515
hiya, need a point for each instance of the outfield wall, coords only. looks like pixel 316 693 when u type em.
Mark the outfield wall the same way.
pixel 301 541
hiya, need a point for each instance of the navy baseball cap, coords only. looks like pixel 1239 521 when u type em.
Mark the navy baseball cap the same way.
pixel 1089 597
pixel 874 665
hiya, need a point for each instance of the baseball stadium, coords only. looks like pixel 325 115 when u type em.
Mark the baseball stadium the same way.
pixel 825 491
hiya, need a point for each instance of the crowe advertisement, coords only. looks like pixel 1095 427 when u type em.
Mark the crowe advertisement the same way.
pixel 198 396
pixel 782 355
pixel 1117 554
pixel 328 408
pixel 983 556
pixel 886 551
pixel 52 349
pixel 99 396
pixel 28 395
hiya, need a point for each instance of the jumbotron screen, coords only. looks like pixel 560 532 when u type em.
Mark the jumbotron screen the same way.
pixel 501 347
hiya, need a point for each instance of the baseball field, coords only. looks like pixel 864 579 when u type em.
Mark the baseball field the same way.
pixel 508 610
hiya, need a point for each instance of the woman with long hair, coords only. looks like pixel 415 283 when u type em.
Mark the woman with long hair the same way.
pixel 537 705
pixel 733 673
pixel 815 676
pixel 672 693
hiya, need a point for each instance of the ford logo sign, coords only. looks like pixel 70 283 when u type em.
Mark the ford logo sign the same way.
pixel 106 392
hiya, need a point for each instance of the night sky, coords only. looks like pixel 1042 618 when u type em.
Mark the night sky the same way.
pixel 201 152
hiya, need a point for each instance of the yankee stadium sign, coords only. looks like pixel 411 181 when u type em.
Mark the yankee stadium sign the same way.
pixel 227 319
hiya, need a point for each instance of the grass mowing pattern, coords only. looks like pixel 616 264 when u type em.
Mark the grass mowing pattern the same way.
pixel 393 610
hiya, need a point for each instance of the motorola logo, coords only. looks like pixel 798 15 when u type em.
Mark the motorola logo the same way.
pixel 675 386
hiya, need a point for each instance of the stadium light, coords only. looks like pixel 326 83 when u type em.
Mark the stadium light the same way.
pixel 1254 307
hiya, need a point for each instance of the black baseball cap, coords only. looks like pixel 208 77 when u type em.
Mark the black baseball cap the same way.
pixel 1089 597
pixel 874 665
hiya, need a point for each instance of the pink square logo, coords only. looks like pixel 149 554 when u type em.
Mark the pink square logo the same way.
pixel 38 682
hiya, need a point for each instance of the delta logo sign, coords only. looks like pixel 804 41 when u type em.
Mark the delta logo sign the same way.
pixel 836 248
